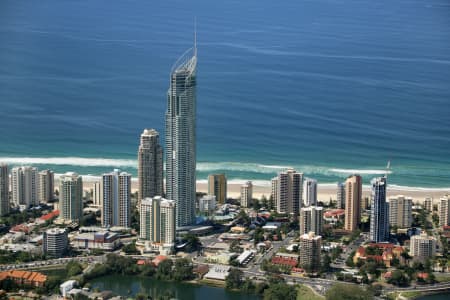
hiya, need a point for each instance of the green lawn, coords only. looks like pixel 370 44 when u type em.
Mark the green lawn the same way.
pixel 305 293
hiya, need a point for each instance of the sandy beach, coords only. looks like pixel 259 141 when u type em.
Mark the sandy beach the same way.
pixel 325 192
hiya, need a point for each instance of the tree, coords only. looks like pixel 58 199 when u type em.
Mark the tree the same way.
pixel 326 264
pixel 280 291
pixel 130 249
pixel 235 247
pixel 193 242
pixel 234 279
pixel 74 268
pixel 347 292
pixel 398 278
pixel 349 261
pixel 164 270
pixel 183 270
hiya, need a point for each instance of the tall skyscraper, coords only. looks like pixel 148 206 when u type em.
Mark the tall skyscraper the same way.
pixel 181 137
pixel 55 242
pixel 379 217
pixel 4 190
pixel 217 186
pixel 353 192
pixel 311 219
pixel 150 165
pixel 274 193
pixel 289 186
pixel 400 211
pixel 24 186
pixel 444 211
pixel 247 194
pixel 340 195
pixel 97 197
pixel 70 197
pixel 46 186
pixel 116 191
pixel 310 192
pixel 157 220
pixel 310 247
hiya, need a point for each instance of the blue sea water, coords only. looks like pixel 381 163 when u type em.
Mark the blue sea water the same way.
pixel 330 87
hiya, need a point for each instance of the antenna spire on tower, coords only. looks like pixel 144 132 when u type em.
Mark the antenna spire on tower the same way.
pixel 195 36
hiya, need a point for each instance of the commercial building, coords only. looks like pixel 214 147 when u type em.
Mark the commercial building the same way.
pixel 422 246
pixel 150 165
pixel 310 192
pixel 217 186
pixel 207 204
pixel 428 203
pixel 379 217
pixel 400 211
pixel 70 197
pixel 24 186
pixel 444 211
pixel 310 246
pixel 287 191
pixel 116 192
pixel 353 192
pixel 55 242
pixel 247 194
pixel 158 221
pixel 102 240
pixel 311 219
pixel 46 186
pixel 4 190
pixel 340 195
pixel 181 138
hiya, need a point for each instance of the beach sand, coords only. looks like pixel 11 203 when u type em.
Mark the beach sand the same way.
pixel 325 192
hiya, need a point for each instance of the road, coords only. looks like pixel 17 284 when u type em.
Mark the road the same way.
pixel 91 260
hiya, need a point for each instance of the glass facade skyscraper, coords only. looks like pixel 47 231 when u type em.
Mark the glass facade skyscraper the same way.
pixel 379 218
pixel 181 138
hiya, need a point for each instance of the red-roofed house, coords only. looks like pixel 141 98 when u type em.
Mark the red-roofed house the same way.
pixel 50 216
pixel 286 259
pixel 157 260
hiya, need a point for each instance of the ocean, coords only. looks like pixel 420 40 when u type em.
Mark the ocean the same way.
pixel 329 87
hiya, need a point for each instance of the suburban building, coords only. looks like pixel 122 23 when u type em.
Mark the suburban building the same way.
pixel 24 278
pixel 102 240
pixel 422 246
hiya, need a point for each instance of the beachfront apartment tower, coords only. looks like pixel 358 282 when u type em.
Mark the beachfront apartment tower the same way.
pixel 150 165
pixel 379 217
pixel 24 186
pixel 247 194
pixel 4 190
pixel 353 192
pixel 310 248
pixel 116 199
pixel 181 137
pixel 46 186
pixel 97 194
pixel 158 220
pixel 444 211
pixel 70 197
pixel 217 186
pixel 310 192
pixel 311 219
pixel 289 187
pixel 422 247
pixel 428 203
pixel 340 195
pixel 400 211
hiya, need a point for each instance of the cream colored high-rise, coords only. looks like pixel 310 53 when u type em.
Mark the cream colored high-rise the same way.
pixel 353 192
pixel 311 219
pixel 310 248
pixel 150 165
pixel 247 194
pixel 400 211
pixel 158 220
pixel 444 211
pixel 217 186
pixel 422 246
pixel 97 194
pixel 116 199
pixel 24 186
pixel 289 190
pixel 46 186
pixel 4 190
pixel 70 197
